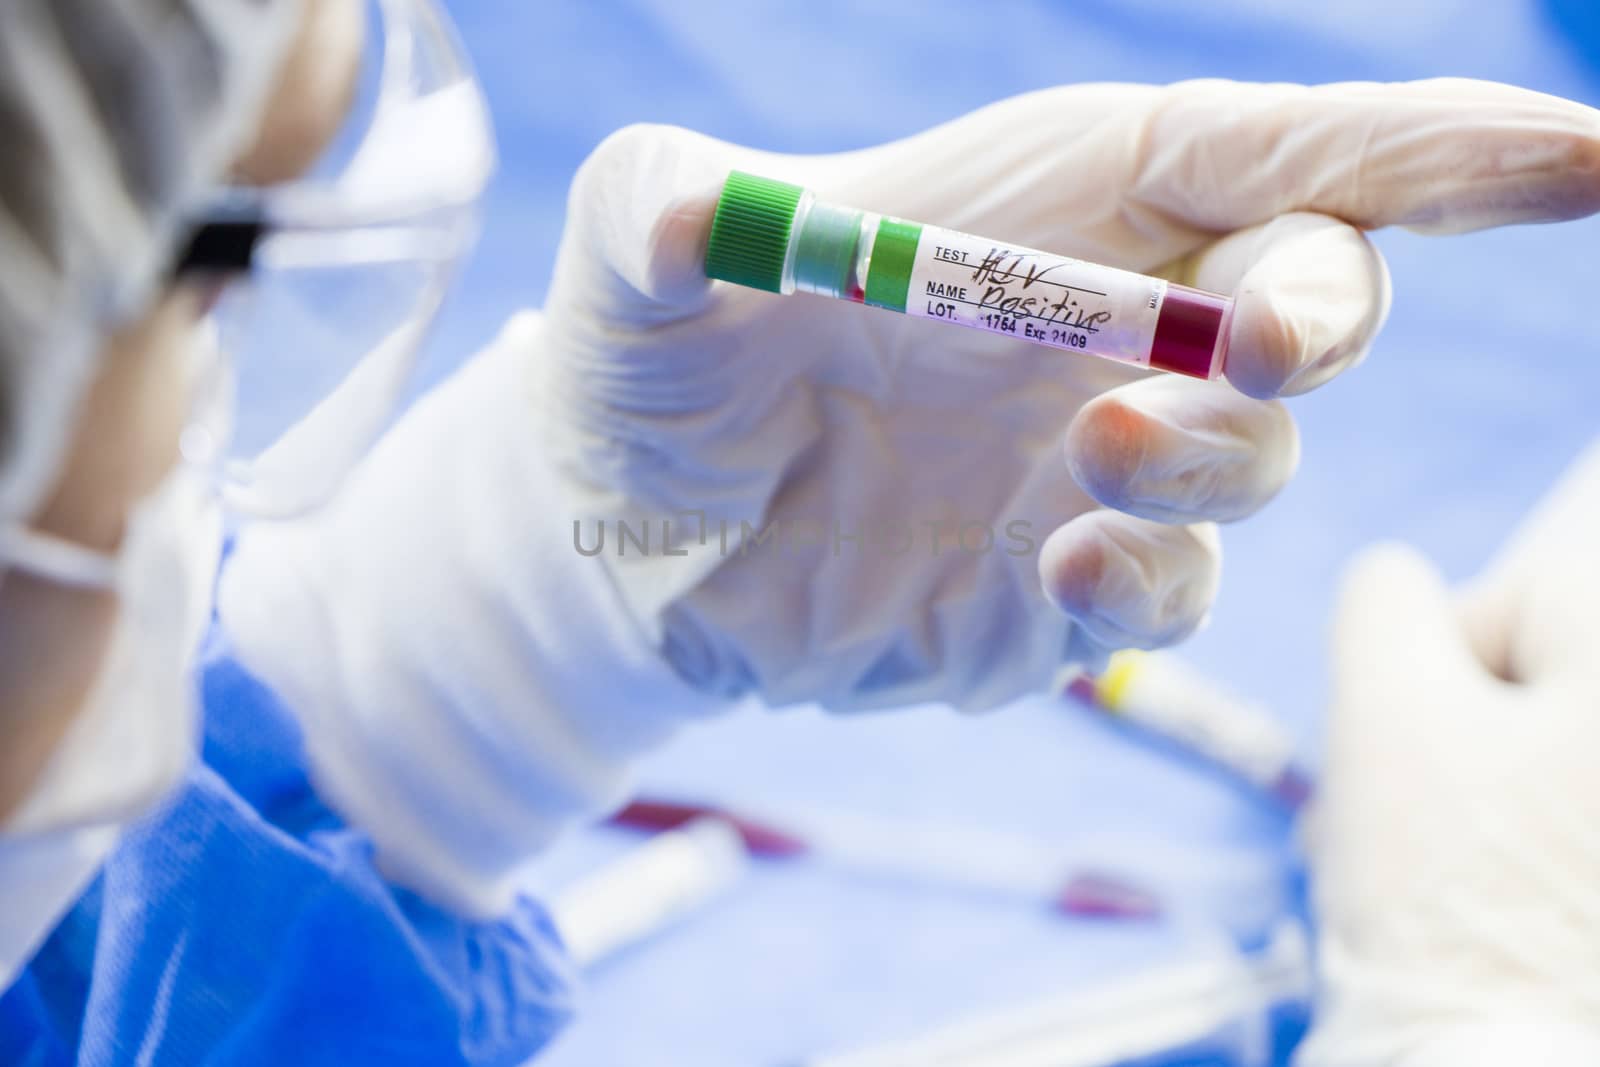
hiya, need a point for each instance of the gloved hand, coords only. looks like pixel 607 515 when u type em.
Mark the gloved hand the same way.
pixel 664 398
pixel 470 683
pixel 1456 842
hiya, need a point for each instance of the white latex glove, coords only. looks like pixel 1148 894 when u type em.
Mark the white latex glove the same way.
pixel 469 683
pixel 1456 842
pixel 662 394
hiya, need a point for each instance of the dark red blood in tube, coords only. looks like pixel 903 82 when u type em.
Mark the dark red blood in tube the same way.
pixel 759 839
pixel 1187 329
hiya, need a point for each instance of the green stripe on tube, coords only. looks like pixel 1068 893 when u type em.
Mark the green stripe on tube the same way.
pixel 893 252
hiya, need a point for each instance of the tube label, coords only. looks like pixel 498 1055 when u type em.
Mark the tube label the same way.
pixel 1018 292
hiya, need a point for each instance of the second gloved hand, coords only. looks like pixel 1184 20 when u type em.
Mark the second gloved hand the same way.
pixel 851 507
pixel 1455 844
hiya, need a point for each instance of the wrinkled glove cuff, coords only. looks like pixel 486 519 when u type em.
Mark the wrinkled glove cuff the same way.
pixel 466 684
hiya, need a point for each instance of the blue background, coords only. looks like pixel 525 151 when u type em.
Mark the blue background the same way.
pixel 1481 388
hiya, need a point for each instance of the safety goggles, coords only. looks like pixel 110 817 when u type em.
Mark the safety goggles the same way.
pixel 346 269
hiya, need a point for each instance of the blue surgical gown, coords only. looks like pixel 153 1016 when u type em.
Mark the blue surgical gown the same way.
pixel 244 923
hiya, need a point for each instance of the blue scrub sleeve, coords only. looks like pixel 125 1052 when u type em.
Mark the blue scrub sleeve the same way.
pixel 244 924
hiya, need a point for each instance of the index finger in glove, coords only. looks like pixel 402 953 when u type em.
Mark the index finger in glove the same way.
pixel 1531 614
pixel 1401 657
pixel 1440 156
pixel 1137 175
pixel 1396 619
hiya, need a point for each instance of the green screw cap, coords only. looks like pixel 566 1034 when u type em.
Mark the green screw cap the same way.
pixel 750 231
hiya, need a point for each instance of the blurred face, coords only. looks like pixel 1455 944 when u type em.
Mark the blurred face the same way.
pixel 314 90
pixel 128 429
pixel 52 638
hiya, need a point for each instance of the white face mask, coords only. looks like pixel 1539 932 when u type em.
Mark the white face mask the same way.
pixel 134 736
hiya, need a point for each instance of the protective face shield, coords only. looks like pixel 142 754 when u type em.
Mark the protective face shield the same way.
pixel 348 267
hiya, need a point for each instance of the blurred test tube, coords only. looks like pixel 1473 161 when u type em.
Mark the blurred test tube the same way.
pixel 650 889
pixel 977 859
pixel 1161 695
pixel 1221 998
